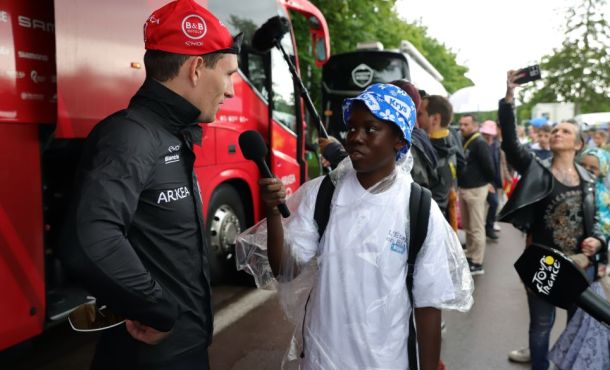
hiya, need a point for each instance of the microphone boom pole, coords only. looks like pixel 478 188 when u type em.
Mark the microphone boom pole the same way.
pixel 303 89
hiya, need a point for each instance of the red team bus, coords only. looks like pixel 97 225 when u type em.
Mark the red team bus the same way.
pixel 65 65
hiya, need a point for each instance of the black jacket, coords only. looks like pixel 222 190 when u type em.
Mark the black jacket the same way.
pixel 134 234
pixel 537 182
pixel 479 169
pixel 449 153
pixel 425 161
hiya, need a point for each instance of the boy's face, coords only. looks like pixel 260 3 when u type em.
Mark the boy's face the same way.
pixel 423 118
pixel 372 144
pixel 591 164
pixel 543 139
pixel 599 139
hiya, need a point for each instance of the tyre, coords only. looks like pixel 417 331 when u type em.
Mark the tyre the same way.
pixel 226 219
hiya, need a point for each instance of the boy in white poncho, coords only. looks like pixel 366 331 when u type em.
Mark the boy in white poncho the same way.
pixel 357 314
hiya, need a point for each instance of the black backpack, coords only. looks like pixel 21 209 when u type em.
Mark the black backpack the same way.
pixel 419 212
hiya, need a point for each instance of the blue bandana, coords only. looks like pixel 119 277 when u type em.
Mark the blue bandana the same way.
pixel 387 103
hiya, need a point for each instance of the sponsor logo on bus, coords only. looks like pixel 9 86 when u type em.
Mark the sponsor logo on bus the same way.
pixel 362 75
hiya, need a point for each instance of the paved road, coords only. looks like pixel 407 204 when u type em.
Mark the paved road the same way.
pixel 252 333
pixel 498 322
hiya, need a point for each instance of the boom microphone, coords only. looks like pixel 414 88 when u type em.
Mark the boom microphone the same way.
pixel 552 276
pixel 268 36
pixel 270 33
pixel 253 148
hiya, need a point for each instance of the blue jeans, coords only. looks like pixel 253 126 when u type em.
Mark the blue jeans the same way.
pixel 542 317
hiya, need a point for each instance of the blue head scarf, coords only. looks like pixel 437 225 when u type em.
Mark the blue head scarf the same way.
pixel 387 103
pixel 602 194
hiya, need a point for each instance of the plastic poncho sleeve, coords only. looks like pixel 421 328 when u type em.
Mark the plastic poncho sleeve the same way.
pixel 301 240
pixel 442 278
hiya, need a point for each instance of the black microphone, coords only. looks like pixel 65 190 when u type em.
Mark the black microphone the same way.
pixel 558 280
pixel 270 33
pixel 253 148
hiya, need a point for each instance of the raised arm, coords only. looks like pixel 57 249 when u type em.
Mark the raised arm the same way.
pixel 516 155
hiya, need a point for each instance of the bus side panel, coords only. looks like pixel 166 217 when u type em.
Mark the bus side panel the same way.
pixel 99 48
pixel 285 165
pixel 220 147
pixel 245 111
pixel 22 307
pixel 27 62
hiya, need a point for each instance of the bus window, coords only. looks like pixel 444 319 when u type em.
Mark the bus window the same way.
pixel 284 108
pixel 246 17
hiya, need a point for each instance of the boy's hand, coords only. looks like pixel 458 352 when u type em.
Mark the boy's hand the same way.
pixel 323 142
pixel 273 193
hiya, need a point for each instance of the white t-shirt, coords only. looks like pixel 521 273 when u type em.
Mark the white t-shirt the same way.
pixel 358 314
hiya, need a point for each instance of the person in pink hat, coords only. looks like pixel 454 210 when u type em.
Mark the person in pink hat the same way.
pixel 134 234
pixel 489 130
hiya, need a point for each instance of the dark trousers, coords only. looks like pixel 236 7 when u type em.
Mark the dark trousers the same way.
pixel 196 361
pixel 192 361
pixel 117 350
pixel 542 317
pixel 492 200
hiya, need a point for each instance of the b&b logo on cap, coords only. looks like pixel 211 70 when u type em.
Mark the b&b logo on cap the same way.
pixel 194 26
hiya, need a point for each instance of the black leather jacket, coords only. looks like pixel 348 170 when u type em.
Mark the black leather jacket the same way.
pixel 537 182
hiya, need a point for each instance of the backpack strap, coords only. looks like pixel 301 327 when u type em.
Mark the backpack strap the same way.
pixel 321 213
pixel 419 213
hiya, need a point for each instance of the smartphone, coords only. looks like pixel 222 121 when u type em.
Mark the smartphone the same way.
pixel 531 73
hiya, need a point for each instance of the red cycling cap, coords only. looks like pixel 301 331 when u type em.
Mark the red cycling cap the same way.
pixel 185 27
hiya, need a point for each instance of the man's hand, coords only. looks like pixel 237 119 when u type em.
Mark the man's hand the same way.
pixel 145 333
pixel 590 246
pixel 273 193
pixel 491 188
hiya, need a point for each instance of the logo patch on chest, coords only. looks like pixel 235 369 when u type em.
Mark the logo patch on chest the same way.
pixel 168 196
pixel 172 158
pixel 397 242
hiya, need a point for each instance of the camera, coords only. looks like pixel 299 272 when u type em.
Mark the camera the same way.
pixel 531 73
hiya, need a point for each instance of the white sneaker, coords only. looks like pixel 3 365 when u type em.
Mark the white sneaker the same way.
pixel 497 227
pixel 520 355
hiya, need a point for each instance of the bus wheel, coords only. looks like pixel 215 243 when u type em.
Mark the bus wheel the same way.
pixel 226 219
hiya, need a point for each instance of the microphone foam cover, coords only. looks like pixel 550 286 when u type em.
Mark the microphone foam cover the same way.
pixel 271 31
pixel 252 145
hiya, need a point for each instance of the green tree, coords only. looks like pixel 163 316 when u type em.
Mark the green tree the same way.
pixel 353 21
pixel 579 71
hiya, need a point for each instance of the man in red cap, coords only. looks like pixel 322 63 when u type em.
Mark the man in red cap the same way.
pixel 134 233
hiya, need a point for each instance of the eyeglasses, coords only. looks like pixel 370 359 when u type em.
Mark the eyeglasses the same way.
pixel 89 317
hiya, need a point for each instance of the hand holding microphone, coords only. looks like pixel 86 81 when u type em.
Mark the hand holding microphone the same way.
pixel 273 194
pixel 272 190
pixel 555 278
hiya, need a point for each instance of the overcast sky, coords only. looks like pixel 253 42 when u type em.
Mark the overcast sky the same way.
pixel 491 37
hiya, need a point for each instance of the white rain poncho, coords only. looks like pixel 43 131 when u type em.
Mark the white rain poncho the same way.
pixel 346 293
